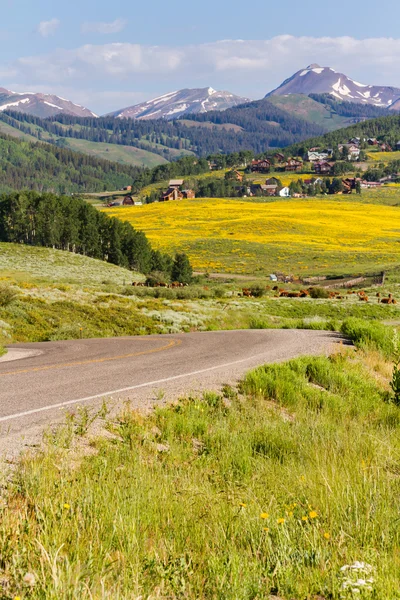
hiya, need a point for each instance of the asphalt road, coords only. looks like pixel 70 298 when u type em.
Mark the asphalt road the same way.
pixel 45 379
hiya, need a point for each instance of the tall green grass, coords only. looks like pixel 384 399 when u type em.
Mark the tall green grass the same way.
pixel 269 492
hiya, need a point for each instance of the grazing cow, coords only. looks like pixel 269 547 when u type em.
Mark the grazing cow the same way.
pixel 389 300
pixel 247 293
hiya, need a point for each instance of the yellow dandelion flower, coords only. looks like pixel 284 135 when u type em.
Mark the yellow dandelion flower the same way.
pixel 67 506
pixel 264 516
pixel 290 513
pixel 304 518
pixel 280 521
pixel 266 529
pixel 327 535
pixel 242 504
pixel 313 514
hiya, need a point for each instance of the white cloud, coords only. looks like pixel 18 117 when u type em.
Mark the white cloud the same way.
pixel 47 28
pixel 104 28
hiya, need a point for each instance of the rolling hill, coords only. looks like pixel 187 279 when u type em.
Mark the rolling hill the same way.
pixel 385 128
pixel 254 126
pixel 47 168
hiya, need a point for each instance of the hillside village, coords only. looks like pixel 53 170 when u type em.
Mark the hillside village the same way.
pixel 348 167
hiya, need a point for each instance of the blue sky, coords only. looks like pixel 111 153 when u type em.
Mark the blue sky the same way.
pixel 108 55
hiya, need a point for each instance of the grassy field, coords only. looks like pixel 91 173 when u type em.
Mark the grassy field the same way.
pixel 286 487
pixel 116 153
pixel 50 295
pixel 383 157
pixel 26 263
pixel 329 235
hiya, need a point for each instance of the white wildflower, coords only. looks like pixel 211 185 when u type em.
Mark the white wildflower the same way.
pixel 29 579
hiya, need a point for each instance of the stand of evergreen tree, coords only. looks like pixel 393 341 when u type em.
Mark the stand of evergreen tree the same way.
pixel 73 225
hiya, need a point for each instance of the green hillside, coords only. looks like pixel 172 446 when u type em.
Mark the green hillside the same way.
pixel 127 155
pixel 306 108
pixel 32 263
pixel 384 128
pixel 253 126
pixel 44 167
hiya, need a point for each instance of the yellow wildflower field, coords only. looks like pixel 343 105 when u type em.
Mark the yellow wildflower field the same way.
pixel 296 236
pixel 383 157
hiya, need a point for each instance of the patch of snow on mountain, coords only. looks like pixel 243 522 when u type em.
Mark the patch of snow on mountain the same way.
pixel 318 71
pixel 163 98
pixel 304 73
pixel 360 84
pixel 5 106
pixel 365 94
pixel 178 109
pixel 53 105
pixel 342 89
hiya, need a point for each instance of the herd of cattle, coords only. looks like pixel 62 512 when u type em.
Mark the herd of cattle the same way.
pixel 173 285
pixel 332 295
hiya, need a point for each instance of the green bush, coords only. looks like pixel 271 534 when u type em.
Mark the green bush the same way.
pixel 369 334
pixel 257 291
pixel 318 292
pixel 7 295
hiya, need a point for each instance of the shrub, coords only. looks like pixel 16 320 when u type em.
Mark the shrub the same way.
pixel 318 292
pixel 369 334
pixel 257 291
pixel 7 295
pixel 219 292
pixel 156 277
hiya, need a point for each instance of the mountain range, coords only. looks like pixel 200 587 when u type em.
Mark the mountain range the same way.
pixel 184 102
pixel 40 105
pixel 312 80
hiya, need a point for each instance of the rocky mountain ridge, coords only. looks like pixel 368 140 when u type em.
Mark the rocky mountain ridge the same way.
pixel 40 105
pixel 183 102
pixel 325 80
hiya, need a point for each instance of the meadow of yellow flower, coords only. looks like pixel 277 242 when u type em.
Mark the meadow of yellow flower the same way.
pixel 299 236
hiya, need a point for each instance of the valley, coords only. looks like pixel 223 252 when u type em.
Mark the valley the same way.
pixel 199 320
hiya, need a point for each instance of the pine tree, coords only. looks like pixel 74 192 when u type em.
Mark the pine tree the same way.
pixel 182 271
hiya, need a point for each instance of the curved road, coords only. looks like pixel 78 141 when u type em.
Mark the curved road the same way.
pixel 39 381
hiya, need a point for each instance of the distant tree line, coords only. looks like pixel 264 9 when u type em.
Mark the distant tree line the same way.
pixel 351 109
pixel 259 125
pixel 73 225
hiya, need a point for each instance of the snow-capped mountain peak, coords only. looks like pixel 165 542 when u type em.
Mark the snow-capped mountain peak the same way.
pixel 325 80
pixel 40 105
pixel 182 102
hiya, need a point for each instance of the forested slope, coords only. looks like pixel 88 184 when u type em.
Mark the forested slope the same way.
pixel 257 126
pixel 47 168
pixel 385 129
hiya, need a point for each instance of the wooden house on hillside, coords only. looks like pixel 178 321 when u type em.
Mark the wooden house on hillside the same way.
pixel 261 166
pixel 294 164
pixel 174 192
pixel 323 167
